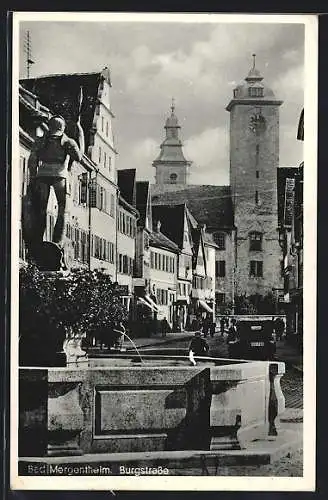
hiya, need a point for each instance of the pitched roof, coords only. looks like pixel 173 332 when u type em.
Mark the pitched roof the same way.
pixel 196 239
pixel 172 221
pixel 210 205
pixel 142 193
pixel 159 240
pixel 126 180
pixel 60 93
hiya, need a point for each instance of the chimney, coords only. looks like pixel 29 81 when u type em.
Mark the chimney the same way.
pixel 158 226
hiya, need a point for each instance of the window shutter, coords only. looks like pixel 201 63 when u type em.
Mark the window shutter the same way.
pixel 93 193
pixel 83 188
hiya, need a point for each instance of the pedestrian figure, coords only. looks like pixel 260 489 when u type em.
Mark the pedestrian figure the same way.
pixel 205 326
pixel 119 329
pixel 232 332
pixel 279 327
pixel 198 346
pixel 212 328
pixel 165 327
pixel 222 325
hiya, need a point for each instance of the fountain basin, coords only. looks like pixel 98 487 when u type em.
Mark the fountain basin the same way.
pixel 117 404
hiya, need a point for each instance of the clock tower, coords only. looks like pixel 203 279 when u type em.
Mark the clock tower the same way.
pixel 254 158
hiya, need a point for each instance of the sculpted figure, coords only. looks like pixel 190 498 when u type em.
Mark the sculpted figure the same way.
pixel 51 161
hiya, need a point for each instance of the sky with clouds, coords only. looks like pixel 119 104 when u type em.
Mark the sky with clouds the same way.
pixel 196 63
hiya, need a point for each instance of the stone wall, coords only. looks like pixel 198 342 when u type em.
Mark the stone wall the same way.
pixel 152 407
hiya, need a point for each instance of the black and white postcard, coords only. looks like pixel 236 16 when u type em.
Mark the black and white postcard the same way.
pixel 163 258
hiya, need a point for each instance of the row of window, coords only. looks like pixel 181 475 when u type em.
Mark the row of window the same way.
pixel 126 224
pixel 162 297
pixel 104 126
pixel 80 241
pixel 255 238
pixel 198 283
pixel 102 249
pixel 252 92
pixel 183 289
pixel 162 262
pixel 125 264
pixel 100 198
pixel 104 159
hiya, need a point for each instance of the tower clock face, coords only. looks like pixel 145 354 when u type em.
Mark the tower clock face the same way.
pixel 257 123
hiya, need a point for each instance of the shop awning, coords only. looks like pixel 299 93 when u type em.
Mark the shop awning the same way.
pixel 205 306
pixel 146 303
pixel 152 303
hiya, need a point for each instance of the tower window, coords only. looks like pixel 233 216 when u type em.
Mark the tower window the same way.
pixel 257 174
pixel 256 269
pixel 256 197
pixel 255 241
pixel 173 178
pixel 220 268
pixel 220 240
pixel 255 91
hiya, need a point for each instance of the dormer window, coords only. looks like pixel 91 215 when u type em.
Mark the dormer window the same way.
pixel 255 91
pixel 173 178
pixel 255 241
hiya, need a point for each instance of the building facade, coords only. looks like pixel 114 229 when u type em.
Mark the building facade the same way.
pixel 163 274
pixel 91 229
pixel 290 212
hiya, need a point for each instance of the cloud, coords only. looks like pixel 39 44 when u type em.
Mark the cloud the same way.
pixel 197 63
pixel 140 155
pixel 209 152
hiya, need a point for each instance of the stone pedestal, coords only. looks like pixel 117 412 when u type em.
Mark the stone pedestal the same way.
pixel 110 410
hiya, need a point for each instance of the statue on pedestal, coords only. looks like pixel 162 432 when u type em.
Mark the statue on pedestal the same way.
pixel 49 164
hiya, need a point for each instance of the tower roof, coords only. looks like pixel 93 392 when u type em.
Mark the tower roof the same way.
pixel 172 120
pixel 171 147
pixel 254 75
pixel 253 88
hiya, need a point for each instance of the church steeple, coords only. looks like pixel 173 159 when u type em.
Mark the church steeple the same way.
pixel 171 164
pixel 254 75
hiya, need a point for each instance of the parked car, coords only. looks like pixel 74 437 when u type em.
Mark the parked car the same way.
pixel 254 340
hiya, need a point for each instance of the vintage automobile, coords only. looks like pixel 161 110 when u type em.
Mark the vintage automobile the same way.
pixel 254 340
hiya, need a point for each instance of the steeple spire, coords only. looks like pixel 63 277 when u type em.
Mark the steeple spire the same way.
pixel 254 74
pixel 173 105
